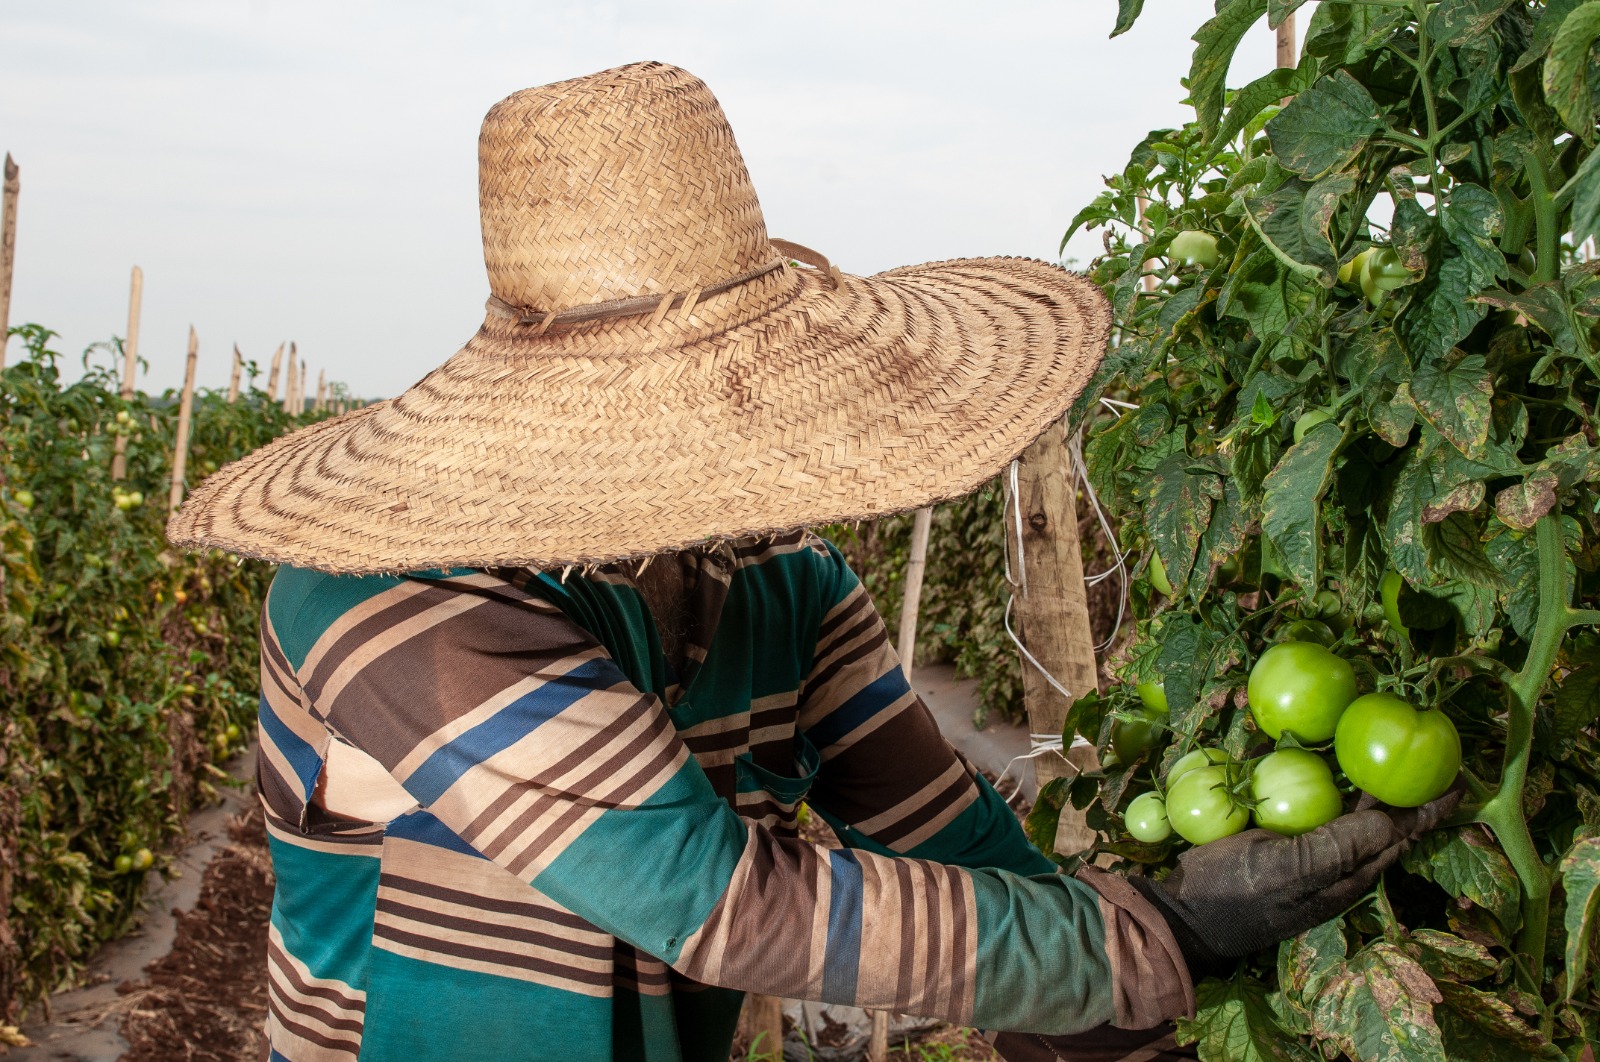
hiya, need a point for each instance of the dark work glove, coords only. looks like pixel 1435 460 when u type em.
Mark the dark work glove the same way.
pixel 1243 893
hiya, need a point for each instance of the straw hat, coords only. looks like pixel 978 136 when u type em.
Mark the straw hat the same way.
pixel 655 372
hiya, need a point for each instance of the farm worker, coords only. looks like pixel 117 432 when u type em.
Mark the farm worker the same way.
pixel 532 795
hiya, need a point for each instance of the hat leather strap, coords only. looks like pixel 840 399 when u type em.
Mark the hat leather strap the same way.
pixel 659 305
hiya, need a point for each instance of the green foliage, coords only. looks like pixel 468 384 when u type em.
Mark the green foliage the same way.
pixel 127 670
pixel 1455 440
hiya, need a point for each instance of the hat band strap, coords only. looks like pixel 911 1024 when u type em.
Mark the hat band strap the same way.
pixel 659 305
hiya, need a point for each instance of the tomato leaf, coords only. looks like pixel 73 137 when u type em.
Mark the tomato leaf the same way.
pixel 1344 34
pixel 1235 1021
pixel 1263 92
pixel 1292 499
pixel 1305 962
pixel 1586 198
pixel 1325 126
pixel 1215 43
pixel 1464 863
pixel 1580 877
pixel 1577 702
pixel 1127 13
pixel 1447 956
pixel 1485 1028
pixel 1462 20
pixel 1045 818
pixel 1293 224
pixel 1566 69
pixel 1378 1007
pixel 1456 399
pixel 1180 497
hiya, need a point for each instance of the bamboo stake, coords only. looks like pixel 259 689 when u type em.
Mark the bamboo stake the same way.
pixel 322 390
pixel 272 380
pixel 180 447
pixel 300 389
pixel 1286 48
pixel 238 367
pixel 130 366
pixel 762 1019
pixel 1054 613
pixel 8 248
pixel 290 384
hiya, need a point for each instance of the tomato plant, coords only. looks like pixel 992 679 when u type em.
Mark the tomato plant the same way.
pixel 1398 222
pixel 112 701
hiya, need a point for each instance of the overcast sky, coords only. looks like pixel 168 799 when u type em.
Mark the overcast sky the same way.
pixel 289 169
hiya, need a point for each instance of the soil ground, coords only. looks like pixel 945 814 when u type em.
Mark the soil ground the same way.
pixel 207 999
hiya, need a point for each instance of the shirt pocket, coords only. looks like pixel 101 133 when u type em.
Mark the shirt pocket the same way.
pixel 770 798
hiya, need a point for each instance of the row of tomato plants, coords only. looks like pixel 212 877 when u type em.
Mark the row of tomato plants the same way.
pixel 127 669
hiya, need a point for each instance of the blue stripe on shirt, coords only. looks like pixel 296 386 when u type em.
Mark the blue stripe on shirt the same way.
pixel 508 726
pixel 842 958
pixel 882 692
pixel 304 760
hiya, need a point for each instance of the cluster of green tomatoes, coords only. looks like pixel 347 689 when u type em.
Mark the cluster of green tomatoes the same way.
pixel 1303 696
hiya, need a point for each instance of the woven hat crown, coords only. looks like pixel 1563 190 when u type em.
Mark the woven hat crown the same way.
pixel 622 184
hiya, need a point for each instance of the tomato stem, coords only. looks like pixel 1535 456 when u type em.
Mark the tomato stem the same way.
pixel 1503 812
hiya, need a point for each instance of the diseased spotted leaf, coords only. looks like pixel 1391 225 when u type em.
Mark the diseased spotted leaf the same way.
pixel 1234 1022
pixel 1180 496
pixel 1265 91
pixel 1566 69
pixel 1225 535
pixel 1344 34
pixel 1543 304
pixel 1292 499
pixel 1215 43
pixel 1473 221
pixel 1456 400
pixel 1577 702
pixel 1257 292
pixel 1185 663
pixel 1427 552
pixel 1521 504
pixel 1580 877
pixel 1288 220
pixel 1465 863
pixel 1442 311
pixel 1544 31
pixel 1586 198
pixel 1515 555
pixel 1463 497
pixel 1325 127
pixel 1445 955
pixel 1462 20
pixel 1378 1007
pixel 1305 962
pixel 1455 551
pixel 1483 1027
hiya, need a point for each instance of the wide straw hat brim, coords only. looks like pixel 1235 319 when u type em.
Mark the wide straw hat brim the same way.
pixel 787 402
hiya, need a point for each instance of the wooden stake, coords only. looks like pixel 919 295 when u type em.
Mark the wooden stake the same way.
pixel 912 601
pixel 130 366
pixel 762 1018
pixel 1286 48
pixel 322 390
pixel 272 380
pixel 300 389
pixel 180 447
pixel 238 367
pixel 292 381
pixel 8 248
pixel 1054 612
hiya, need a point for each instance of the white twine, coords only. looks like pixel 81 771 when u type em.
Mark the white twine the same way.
pixel 1044 744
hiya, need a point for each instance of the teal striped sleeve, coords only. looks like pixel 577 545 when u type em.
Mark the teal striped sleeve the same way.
pixel 515 730
pixel 889 782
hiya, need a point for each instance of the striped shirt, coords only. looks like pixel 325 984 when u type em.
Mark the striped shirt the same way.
pixel 601 854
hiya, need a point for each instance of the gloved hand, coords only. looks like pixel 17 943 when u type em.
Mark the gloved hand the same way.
pixel 1243 893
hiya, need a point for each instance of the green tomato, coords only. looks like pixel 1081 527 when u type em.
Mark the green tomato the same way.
pixel 1327 603
pixel 1308 420
pixel 1158 574
pixel 1350 272
pixel 1294 792
pixel 1400 755
pixel 1197 758
pixel 143 859
pixel 135 499
pixel 122 864
pixel 1193 247
pixel 1383 265
pixel 1309 631
pixel 233 732
pixel 1389 591
pixel 1154 696
pixel 24 498
pixel 1132 737
pixel 1200 807
pixel 113 638
pixel 1146 818
pixel 1302 688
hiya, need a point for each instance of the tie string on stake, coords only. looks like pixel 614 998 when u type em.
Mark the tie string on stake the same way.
pixel 1011 514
